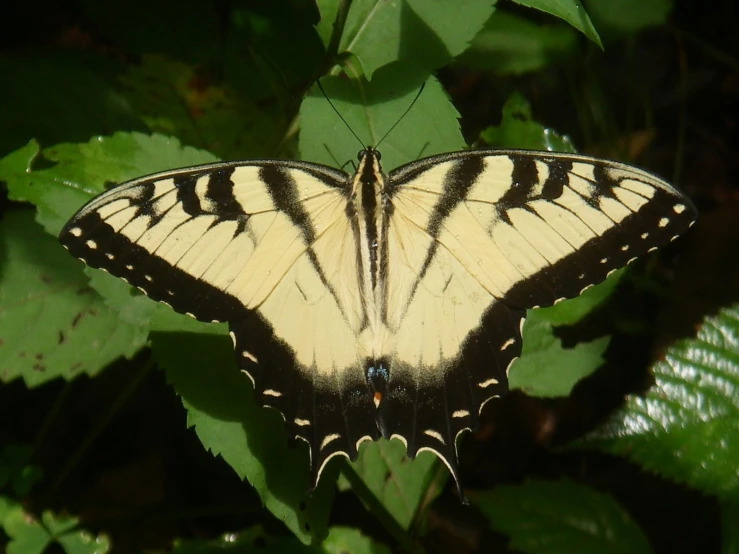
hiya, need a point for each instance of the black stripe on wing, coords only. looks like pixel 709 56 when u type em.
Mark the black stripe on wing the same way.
pixel 332 417
pixel 157 278
pixel 457 183
pixel 431 416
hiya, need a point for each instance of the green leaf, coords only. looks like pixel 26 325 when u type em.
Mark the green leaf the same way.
pixel 398 482
pixel 569 10
pixel 341 540
pixel 545 368
pixel 52 324
pixel 177 99
pixel 509 44
pixel 628 16
pixel 80 171
pixel 687 426
pixel 27 535
pixel 573 310
pixel 55 97
pixel 73 540
pixel 730 527
pixel 7 505
pixel 371 109
pixel 517 129
pixel 325 27
pixel 252 440
pixel 426 34
pixel 543 517
pixel 131 305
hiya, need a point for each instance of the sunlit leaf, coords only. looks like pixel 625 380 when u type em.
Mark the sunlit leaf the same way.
pixel 687 425
pixel 545 368
pixel 426 34
pixel 431 125
pixel 80 171
pixel 398 482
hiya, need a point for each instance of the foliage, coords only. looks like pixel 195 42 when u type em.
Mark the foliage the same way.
pixel 188 94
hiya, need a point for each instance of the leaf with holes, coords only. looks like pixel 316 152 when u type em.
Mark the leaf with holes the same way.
pixel 687 426
pixel 542 517
pixel 52 324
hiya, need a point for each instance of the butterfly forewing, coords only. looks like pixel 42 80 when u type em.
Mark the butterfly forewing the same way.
pixel 358 318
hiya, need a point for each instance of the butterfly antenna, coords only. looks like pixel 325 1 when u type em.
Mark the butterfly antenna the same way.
pixel 420 90
pixel 339 113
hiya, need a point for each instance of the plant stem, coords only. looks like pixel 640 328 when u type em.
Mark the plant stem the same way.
pixel 97 430
pixel 51 416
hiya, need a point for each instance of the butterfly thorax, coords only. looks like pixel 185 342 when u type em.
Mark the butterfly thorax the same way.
pixel 368 216
pixel 367 206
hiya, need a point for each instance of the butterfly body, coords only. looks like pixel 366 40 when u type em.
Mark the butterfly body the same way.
pixel 376 304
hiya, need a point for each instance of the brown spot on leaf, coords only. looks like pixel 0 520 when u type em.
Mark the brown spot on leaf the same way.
pixel 92 311
pixel 76 319
pixel 85 290
pixel 39 356
pixel 2 342
pixel 61 338
pixel 22 354
pixel 75 366
pixel 39 367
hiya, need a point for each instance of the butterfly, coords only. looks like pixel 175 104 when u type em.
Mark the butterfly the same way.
pixel 372 305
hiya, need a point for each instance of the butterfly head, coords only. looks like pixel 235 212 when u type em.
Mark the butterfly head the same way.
pixel 369 169
pixel 369 151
